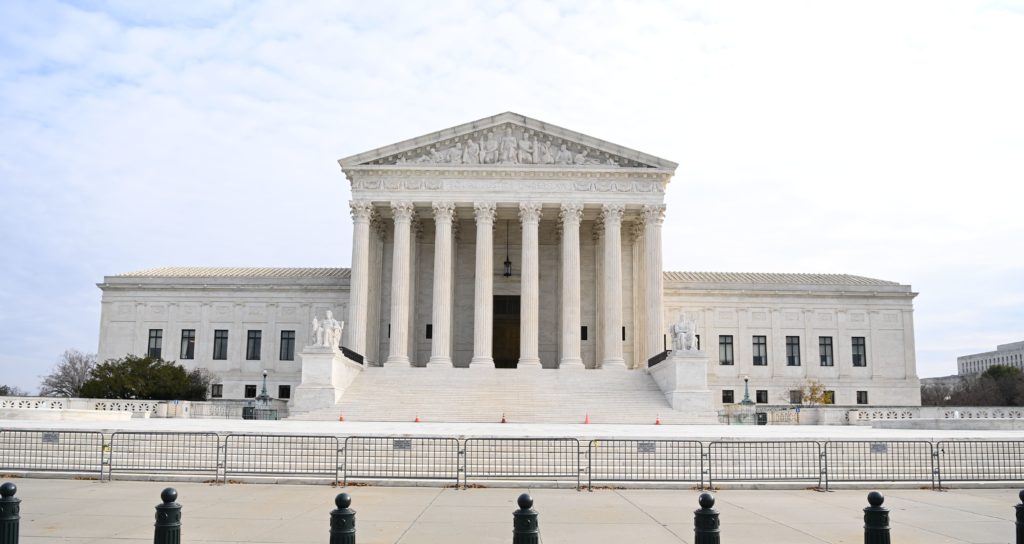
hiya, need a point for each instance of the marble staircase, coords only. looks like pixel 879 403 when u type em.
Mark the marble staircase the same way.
pixel 463 395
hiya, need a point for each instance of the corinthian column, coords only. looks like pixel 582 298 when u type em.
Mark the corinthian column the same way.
pixel 654 216
pixel 440 346
pixel 362 212
pixel 398 354
pixel 529 352
pixel 571 214
pixel 611 214
pixel 483 292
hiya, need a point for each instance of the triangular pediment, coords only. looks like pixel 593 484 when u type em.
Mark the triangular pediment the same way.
pixel 507 140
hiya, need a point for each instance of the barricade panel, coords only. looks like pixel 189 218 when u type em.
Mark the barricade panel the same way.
pixel 878 461
pixel 52 451
pixel 395 457
pixel 522 458
pixel 645 461
pixel 280 455
pixel 145 453
pixel 987 461
pixel 764 461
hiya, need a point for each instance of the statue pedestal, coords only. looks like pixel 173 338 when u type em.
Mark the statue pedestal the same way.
pixel 683 377
pixel 326 373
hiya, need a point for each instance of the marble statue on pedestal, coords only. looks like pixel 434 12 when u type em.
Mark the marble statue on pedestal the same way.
pixel 327 332
pixel 684 334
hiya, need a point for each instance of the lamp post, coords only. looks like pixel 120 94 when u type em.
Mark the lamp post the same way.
pixel 746 392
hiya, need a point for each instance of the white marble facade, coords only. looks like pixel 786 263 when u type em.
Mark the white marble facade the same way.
pixel 580 220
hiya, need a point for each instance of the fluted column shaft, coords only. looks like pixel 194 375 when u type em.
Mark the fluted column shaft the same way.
pixel 440 346
pixel 529 324
pixel 612 337
pixel 483 292
pixel 398 354
pixel 571 214
pixel 362 212
pixel 654 216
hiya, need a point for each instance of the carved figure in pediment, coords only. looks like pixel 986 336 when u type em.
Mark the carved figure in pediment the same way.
pixel 454 155
pixel 542 152
pixel 471 153
pixel 525 150
pixel 564 156
pixel 580 158
pixel 401 159
pixel 507 148
pixel 611 161
pixel 490 155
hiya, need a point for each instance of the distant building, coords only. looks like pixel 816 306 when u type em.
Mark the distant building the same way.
pixel 1006 354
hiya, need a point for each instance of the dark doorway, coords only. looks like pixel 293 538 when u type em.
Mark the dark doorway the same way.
pixel 506 331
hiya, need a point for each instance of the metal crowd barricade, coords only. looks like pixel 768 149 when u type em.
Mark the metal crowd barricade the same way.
pixel 406 458
pixel 521 458
pixel 281 455
pixel 765 461
pixel 879 461
pixel 78 452
pixel 983 461
pixel 156 452
pixel 645 461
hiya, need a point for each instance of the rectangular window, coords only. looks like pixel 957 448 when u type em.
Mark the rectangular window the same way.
pixel 287 345
pixel 188 344
pixel 220 344
pixel 216 391
pixel 156 342
pixel 862 397
pixel 829 397
pixel 792 351
pixel 761 396
pixel 725 349
pixel 252 345
pixel 583 332
pixel 860 351
pixel 623 334
pixel 430 331
pixel 250 391
pixel 697 337
pixel 796 396
pixel 284 391
pixel 727 396
pixel 825 350
pixel 760 350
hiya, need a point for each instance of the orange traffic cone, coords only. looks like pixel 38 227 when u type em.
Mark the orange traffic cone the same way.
pixel 341 417
pixel 657 420
pixel 417 420
pixel 503 418
pixel 586 420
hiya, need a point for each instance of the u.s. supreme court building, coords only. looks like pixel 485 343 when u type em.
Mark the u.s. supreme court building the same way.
pixel 509 247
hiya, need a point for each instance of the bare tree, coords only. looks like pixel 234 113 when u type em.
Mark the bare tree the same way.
pixel 67 378
pixel 12 391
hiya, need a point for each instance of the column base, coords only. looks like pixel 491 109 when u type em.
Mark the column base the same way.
pixel 398 361
pixel 440 362
pixel 531 362
pixel 481 362
pixel 572 364
pixel 613 364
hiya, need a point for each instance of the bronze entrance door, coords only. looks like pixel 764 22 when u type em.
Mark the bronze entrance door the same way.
pixel 506 331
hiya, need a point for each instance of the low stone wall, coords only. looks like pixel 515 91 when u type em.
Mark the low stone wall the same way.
pixel 951 424
pixel 62 415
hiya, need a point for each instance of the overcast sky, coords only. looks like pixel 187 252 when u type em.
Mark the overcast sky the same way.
pixel 884 139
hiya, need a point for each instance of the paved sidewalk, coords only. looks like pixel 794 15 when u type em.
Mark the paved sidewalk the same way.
pixel 80 512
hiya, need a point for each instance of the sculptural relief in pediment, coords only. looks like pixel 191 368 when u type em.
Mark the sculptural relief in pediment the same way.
pixel 509 145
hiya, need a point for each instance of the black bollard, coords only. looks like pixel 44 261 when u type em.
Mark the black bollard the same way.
pixel 1020 518
pixel 524 522
pixel 168 519
pixel 705 521
pixel 876 520
pixel 10 514
pixel 343 521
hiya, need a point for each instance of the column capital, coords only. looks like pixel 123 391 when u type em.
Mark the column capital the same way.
pixel 611 214
pixel 484 211
pixel 443 211
pixel 529 212
pixel 653 214
pixel 361 210
pixel 571 212
pixel 403 211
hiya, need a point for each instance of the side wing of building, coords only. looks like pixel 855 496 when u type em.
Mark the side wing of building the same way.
pixel 235 322
pixel 854 335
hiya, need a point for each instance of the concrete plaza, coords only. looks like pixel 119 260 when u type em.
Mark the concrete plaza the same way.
pixel 80 512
